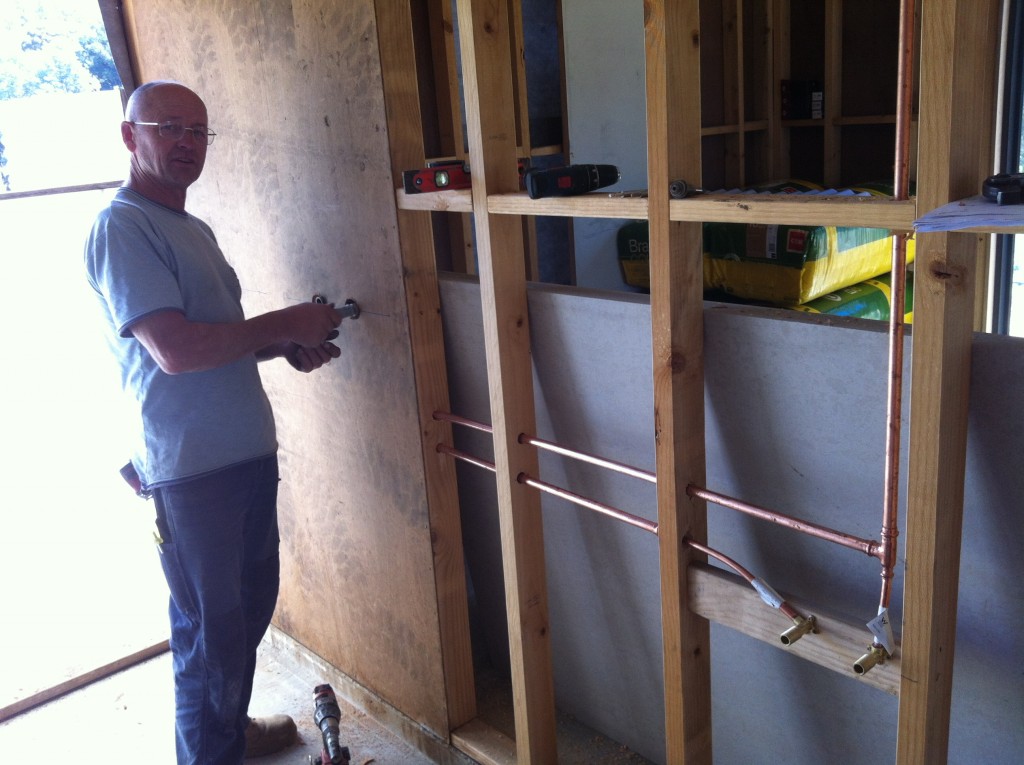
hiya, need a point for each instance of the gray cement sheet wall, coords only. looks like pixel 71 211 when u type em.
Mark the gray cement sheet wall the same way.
pixel 795 422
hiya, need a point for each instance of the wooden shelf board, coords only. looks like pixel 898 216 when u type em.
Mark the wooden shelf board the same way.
pixel 994 230
pixel 793 209
pixel 459 201
pixel 750 126
pixel 869 212
pixel 594 205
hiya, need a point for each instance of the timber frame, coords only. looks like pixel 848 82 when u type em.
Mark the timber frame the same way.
pixel 957 78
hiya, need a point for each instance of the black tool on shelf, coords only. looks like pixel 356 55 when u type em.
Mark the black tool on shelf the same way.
pixel 1003 188
pixel 569 180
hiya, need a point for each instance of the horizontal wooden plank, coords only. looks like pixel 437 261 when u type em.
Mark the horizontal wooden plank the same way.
pixel 993 230
pixel 780 209
pixel 50 191
pixel 594 205
pixel 868 119
pixel 535 151
pixel 746 127
pixel 726 599
pixel 792 209
pixel 485 744
pixel 459 200
pixel 788 209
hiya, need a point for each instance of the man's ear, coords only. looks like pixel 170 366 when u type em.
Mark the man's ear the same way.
pixel 128 135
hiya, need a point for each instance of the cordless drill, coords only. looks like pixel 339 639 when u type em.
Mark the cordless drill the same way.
pixel 327 716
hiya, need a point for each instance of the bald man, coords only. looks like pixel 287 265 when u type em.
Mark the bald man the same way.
pixel 207 449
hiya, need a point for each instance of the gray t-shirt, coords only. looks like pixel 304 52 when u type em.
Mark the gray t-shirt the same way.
pixel 142 258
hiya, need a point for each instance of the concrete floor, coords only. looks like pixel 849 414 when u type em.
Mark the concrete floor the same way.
pixel 129 718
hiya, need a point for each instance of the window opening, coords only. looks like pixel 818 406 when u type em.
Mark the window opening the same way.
pixel 60 96
pixel 1008 287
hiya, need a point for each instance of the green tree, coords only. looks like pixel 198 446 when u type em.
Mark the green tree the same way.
pixel 54 47
pixel 94 55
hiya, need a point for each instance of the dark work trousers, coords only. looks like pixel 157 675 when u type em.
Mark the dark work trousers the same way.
pixel 220 557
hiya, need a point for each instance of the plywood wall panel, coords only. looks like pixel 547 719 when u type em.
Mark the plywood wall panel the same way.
pixel 298 189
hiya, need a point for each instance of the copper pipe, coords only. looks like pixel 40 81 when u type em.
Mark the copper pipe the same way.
pixel 791 612
pixel 893 420
pixel 612 512
pixel 540 443
pixel 465 421
pixel 712 553
pixel 773 598
pixel 618 467
pixel 904 100
pixel 866 546
pixel 465 457
pixel 897 306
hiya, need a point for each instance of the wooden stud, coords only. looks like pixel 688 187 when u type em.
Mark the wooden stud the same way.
pixel 449 109
pixel 565 147
pixel 741 95
pixel 517 49
pixel 398 68
pixel 778 136
pixel 491 125
pixel 759 87
pixel 446 78
pixel 517 62
pixel 732 86
pixel 833 87
pixel 957 81
pixel 672 33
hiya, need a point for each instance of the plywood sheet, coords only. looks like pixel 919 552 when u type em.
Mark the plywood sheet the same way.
pixel 298 189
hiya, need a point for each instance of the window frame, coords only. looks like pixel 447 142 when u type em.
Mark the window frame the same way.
pixel 1009 161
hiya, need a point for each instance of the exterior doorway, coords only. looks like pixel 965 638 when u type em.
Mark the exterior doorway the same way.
pixel 82 586
pixel 82 583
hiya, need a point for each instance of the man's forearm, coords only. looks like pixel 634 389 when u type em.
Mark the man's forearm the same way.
pixel 179 345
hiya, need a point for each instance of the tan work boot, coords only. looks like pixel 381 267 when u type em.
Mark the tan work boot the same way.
pixel 266 735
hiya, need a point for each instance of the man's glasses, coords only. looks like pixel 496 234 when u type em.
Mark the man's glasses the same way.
pixel 175 130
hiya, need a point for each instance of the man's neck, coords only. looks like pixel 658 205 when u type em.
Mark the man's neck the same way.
pixel 168 197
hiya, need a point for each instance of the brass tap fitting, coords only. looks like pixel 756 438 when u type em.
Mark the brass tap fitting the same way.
pixel 876 655
pixel 801 627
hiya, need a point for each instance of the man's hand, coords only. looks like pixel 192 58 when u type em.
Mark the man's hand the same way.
pixel 310 324
pixel 308 359
pixel 313 321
